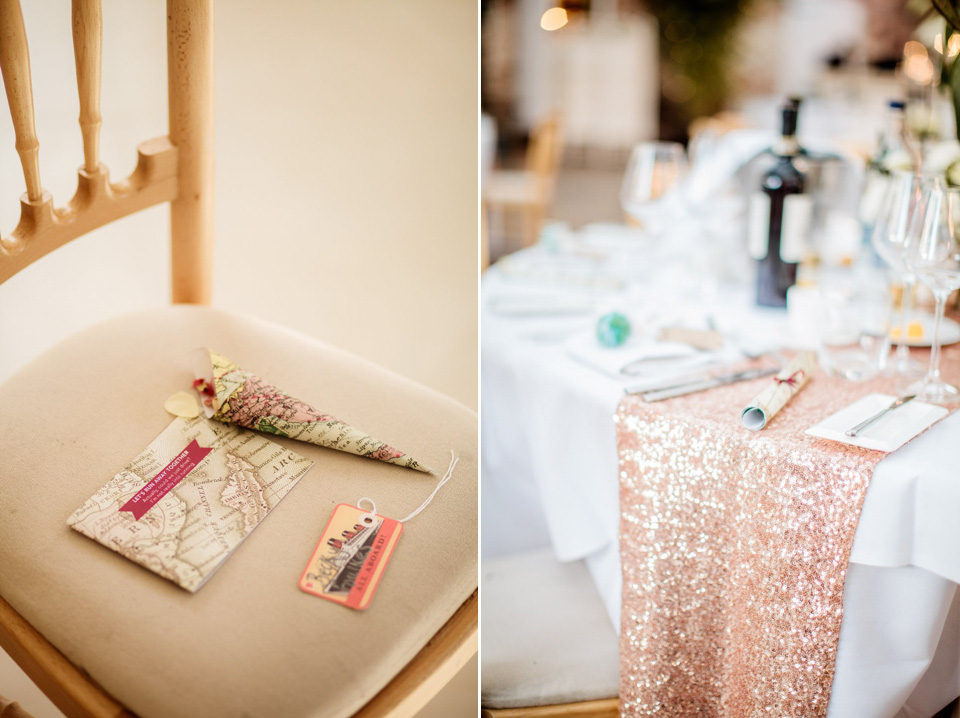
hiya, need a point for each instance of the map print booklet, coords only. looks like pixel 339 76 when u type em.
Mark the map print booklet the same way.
pixel 188 500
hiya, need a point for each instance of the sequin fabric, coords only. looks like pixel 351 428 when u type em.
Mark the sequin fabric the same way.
pixel 735 546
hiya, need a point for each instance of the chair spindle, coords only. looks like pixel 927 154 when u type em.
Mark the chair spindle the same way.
pixel 15 66
pixel 190 80
pixel 12 709
pixel 87 52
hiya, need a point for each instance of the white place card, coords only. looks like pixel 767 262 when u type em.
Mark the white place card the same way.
pixel 889 433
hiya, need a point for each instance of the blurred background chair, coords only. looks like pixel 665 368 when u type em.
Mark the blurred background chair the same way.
pixel 70 613
pixel 548 646
pixel 528 192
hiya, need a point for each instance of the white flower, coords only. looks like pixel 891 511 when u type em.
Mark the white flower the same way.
pixel 896 161
pixel 953 174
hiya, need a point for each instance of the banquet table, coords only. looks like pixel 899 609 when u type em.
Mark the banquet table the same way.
pixel 551 475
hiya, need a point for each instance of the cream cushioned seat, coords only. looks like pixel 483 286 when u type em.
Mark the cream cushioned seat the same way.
pixel 511 187
pixel 249 643
pixel 546 636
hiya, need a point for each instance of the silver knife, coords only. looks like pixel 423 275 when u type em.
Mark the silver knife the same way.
pixel 870 421
pixel 701 373
pixel 692 387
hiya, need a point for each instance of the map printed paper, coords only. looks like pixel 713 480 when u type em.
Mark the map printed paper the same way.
pixel 188 500
pixel 235 396
pixel 791 379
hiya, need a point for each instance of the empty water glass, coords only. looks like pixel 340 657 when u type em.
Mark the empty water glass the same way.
pixel 854 331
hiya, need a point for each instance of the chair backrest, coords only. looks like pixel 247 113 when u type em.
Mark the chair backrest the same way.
pixel 544 152
pixel 177 168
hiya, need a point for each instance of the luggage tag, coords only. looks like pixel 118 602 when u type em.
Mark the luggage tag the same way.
pixel 354 550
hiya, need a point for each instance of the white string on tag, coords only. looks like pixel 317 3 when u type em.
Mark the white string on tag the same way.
pixel 444 479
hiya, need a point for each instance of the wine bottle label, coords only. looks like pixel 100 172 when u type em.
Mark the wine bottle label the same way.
pixel 758 225
pixel 794 226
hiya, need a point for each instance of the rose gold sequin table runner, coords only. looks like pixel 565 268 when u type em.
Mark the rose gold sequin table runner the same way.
pixel 734 547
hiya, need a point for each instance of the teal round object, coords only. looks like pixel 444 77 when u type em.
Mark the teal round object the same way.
pixel 613 329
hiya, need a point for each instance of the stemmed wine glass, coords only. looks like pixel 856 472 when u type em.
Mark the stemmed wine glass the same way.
pixel 653 169
pixel 932 252
pixel 889 237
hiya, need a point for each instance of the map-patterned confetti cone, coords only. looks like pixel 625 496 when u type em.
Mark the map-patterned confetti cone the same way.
pixel 235 396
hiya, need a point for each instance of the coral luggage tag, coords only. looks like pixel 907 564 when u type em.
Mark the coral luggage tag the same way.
pixel 354 550
pixel 352 554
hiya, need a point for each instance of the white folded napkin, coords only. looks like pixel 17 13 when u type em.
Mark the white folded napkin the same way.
pixel 640 359
pixel 539 305
pixel 889 433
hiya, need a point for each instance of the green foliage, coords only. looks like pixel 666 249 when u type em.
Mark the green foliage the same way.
pixel 952 80
pixel 950 72
pixel 950 11
pixel 696 45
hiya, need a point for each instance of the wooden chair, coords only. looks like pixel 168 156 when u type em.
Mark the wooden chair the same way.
pixel 12 709
pixel 529 192
pixel 98 634
pixel 484 240
pixel 603 708
pixel 549 650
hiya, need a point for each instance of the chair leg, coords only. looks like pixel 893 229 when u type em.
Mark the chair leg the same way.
pixel 535 217
pixel 484 237
pixel 494 230
pixel 190 98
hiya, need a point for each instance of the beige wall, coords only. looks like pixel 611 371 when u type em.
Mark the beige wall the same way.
pixel 346 178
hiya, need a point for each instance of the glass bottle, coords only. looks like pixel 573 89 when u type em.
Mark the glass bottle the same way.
pixel 780 214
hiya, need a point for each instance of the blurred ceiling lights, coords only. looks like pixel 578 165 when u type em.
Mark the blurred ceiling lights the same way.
pixel 953 44
pixel 553 19
pixel 917 65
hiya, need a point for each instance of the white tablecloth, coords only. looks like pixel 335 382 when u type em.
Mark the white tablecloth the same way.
pixel 550 478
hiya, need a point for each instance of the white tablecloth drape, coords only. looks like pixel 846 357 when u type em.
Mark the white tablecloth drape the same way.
pixel 550 477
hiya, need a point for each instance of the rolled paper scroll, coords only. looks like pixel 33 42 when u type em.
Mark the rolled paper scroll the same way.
pixel 791 379
pixel 235 396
